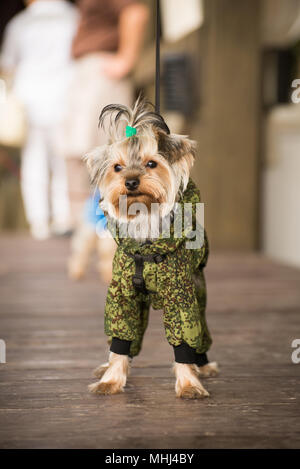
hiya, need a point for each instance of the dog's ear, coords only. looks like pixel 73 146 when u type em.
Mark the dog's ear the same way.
pixel 96 162
pixel 174 147
pixel 180 152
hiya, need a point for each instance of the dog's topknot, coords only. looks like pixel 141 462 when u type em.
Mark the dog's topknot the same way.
pixel 152 139
pixel 140 116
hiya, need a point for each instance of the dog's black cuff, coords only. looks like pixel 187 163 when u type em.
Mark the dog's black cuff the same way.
pixel 186 354
pixel 201 359
pixel 119 346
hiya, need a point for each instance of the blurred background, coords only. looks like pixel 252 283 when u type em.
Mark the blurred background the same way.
pixel 229 79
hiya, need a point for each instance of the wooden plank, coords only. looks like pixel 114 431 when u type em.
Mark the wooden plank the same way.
pixel 54 336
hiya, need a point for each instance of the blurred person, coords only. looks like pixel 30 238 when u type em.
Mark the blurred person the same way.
pixel 106 49
pixel 92 235
pixel 37 53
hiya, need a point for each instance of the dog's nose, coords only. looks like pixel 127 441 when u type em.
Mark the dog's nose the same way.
pixel 132 184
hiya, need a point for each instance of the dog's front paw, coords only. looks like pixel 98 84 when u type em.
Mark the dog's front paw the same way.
pixel 209 370
pixel 105 388
pixel 113 375
pixel 187 384
pixel 191 391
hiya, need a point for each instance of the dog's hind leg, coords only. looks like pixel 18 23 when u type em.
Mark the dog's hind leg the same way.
pixel 113 379
pixel 100 370
pixel 209 370
pixel 187 383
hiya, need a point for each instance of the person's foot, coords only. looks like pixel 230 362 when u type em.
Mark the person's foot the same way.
pixel 63 234
pixel 61 230
pixel 40 231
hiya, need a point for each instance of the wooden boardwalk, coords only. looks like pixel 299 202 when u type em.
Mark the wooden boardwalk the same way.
pixel 54 338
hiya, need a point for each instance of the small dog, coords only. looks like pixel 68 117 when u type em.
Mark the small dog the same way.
pixel 143 175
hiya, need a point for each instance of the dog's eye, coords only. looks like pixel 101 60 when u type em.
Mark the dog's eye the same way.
pixel 151 164
pixel 118 168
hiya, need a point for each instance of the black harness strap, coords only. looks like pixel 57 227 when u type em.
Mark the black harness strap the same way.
pixel 138 279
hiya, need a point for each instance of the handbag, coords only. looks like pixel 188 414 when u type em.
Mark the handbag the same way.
pixel 12 118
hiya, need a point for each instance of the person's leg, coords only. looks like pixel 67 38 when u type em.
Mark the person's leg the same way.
pixel 110 91
pixel 77 136
pixel 91 92
pixel 34 183
pixel 78 188
pixel 78 125
pixel 83 243
pixel 106 247
pixel 60 204
pixel 84 238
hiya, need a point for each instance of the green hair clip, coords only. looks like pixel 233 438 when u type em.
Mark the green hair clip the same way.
pixel 130 131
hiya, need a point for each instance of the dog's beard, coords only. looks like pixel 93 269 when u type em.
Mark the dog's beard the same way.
pixel 134 200
pixel 145 226
pixel 140 215
pixel 126 205
pixel 144 209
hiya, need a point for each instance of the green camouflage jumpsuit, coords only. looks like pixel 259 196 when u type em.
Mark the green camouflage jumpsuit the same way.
pixel 176 285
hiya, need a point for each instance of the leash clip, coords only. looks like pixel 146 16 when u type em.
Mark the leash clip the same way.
pixel 138 279
pixel 158 258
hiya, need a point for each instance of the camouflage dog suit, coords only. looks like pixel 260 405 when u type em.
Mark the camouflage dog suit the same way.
pixel 173 281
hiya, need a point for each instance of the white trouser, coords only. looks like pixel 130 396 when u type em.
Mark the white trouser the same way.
pixel 44 179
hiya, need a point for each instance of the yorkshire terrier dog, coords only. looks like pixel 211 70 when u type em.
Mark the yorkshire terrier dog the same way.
pixel 143 174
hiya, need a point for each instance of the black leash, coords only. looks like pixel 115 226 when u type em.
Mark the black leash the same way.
pixel 157 55
pixel 138 279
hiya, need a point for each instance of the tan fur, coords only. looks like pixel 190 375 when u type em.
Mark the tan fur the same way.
pixel 114 378
pixel 208 371
pixel 157 185
pixel 187 383
pixel 100 370
pixel 82 245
